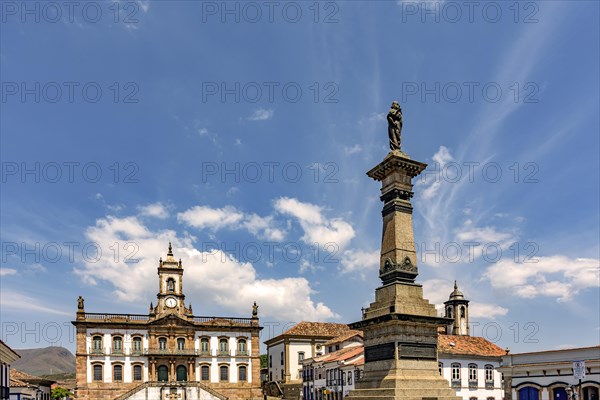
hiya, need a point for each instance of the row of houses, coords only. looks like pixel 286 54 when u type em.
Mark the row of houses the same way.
pixel 17 385
pixel 325 360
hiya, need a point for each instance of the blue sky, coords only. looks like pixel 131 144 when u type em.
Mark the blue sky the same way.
pixel 242 132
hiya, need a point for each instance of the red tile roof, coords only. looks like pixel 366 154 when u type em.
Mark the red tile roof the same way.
pixel 344 354
pixel 320 330
pixel 468 345
pixel 344 336
pixel 26 379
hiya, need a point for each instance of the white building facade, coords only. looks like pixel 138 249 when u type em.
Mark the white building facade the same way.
pixel 286 352
pixel 550 375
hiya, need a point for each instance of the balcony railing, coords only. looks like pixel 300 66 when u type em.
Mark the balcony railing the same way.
pixel 473 384
pixel 223 353
pixel 96 352
pixel 489 384
pixel 176 352
pixel 204 353
pixel 136 352
pixel 455 383
pixel 243 353
pixel 117 352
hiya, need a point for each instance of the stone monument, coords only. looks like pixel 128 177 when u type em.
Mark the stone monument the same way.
pixel 401 327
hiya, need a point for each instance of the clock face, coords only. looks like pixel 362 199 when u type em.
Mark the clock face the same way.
pixel 170 302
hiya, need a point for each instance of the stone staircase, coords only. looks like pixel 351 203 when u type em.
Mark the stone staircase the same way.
pixel 159 391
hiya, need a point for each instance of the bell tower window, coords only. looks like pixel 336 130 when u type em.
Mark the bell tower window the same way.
pixel 170 285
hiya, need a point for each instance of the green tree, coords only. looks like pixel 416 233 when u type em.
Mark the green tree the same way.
pixel 263 361
pixel 60 393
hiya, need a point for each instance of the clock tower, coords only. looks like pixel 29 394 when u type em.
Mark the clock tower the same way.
pixel 170 293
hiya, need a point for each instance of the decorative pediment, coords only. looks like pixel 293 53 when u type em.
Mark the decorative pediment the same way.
pixel 171 320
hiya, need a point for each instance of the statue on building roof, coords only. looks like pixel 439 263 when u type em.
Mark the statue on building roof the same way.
pixel 255 310
pixel 80 303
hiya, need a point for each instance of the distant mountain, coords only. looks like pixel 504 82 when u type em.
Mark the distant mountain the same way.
pixel 45 361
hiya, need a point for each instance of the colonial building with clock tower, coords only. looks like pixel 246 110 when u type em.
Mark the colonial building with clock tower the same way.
pixel 168 353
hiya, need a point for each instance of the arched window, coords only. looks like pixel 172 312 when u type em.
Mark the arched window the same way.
pixel 180 344
pixel 163 373
pixel 242 349
pixel 441 368
pixel 300 357
pixel 170 285
pixel 449 312
pixel 97 345
pixel 205 373
pixel 204 345
pixel 117 373
pixel 489 373
pixel 242 376
pixel 349 377
pixel 117 345
pixel 98 372
pixel 181 372
pixel 162 343
pixel 137 372
pixel 472 375
pixel 137 345
pixel 462 312
pixel 224 373
pixel 455 375
pixel 223 346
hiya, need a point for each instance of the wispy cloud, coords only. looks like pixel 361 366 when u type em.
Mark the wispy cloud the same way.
pixel 7 271
pixel 16 301
pixel 261 115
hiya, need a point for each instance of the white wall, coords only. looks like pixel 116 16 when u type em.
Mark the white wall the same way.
pixel 481 393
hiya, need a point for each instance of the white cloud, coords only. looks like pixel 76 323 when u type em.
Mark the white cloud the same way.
pixel 352 150
pixel 156 210
pixel 360 262
pixel 261 115
pixel 202 217
pixel 263 227
pixel 218 277
pixel 484 310
pixel 433 183
pixel 317 229
pixel 554 276
pixel 202 131
pixel 12 300
pixel 212 218
pixel 7 271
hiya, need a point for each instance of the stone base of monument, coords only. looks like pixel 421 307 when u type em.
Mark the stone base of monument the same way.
pixel 400 336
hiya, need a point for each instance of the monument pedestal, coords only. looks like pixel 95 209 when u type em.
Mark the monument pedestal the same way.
pixel 400 328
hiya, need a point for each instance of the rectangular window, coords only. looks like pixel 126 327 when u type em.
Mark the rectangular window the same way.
pixel 98 373
pixel 224 373
pixel 242 373
pixel 270 361
pixel 204 372
pixel 137 372
pixel 300 357
pixel 282 358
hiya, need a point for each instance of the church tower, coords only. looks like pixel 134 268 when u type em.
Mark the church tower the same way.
pixel 170 294
pixel 457 308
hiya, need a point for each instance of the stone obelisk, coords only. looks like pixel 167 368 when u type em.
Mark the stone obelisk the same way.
pixel 401 327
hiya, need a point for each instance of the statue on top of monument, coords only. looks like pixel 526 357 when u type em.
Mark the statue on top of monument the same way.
pixel 80 303
pixel 394 119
